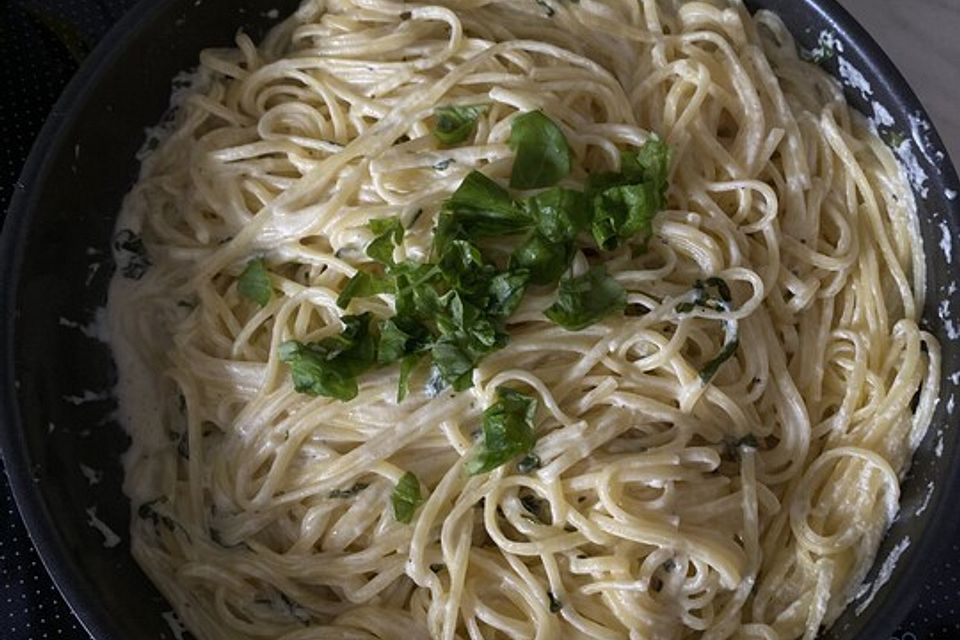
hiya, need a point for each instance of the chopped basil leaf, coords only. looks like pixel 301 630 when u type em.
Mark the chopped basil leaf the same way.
pixel 482 207
pixel 650 163
pixel 463 267
pixel 362 285
pixel 399 337
pixel 625 203
pixel 454 360
pixel 543 156
pixel 330 367
pixel 407 366
pixel 506 292
pixel 560 214
pixel 544 260
pixel 254 283
pixel 417 296
pixel 710 369
pixel 585 299
pixel 389 234
pixel 455 123
pixel 406 497
pixel 622 212
pixel 507 431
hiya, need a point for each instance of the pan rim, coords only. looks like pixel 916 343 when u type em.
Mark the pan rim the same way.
pixel 891 607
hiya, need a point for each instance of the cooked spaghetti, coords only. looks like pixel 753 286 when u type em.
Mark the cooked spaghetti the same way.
pixel 656 489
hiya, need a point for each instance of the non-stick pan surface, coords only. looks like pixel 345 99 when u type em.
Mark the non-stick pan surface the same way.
pixel 56 410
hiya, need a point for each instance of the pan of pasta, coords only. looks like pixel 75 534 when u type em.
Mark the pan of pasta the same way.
pixel 475 319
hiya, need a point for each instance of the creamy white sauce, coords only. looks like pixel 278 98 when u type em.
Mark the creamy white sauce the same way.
pixel 883 576
pixel 854 78
pixel 87 396
pixel 926 498
pixel 914 171
pixel 110 539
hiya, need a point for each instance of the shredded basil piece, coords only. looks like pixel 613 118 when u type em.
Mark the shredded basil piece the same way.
pixel 710 369
pixel 254 283
pixel 713 294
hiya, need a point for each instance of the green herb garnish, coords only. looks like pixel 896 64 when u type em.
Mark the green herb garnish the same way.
pixel 330 367
pixel 507 431
pixel 543 156
pixel 455 123
pixel 583 300
pixel 406 497
pixel 713 294
pixel 389 234
pixel 625 203
pixel 254 283
pixel 560 214
pixel 451 311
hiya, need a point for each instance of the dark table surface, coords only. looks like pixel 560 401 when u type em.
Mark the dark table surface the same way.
pixel 42 42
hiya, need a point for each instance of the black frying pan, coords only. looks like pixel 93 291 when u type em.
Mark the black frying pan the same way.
pixel 55 410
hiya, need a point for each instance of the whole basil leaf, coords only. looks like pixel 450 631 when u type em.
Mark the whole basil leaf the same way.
pixel 543 155
pixel 585 299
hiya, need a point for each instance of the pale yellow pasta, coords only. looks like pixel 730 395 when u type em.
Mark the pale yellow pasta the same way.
pixel 664 520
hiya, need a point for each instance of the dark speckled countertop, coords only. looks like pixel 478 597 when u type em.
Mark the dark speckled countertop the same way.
pixel 41 44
